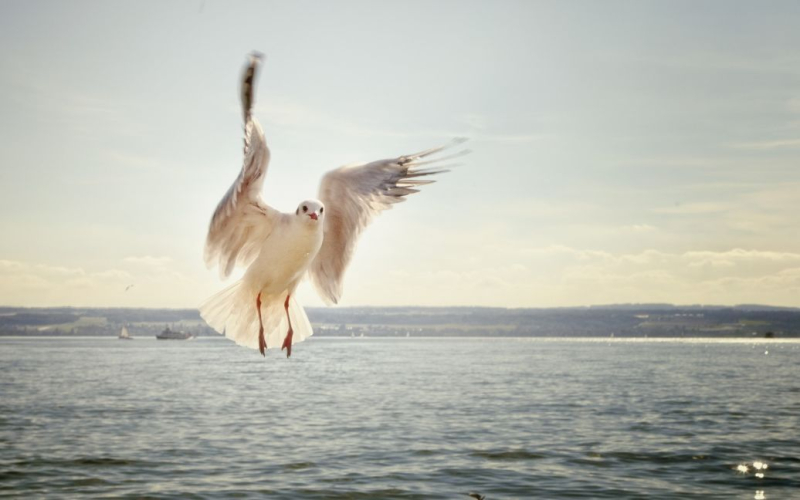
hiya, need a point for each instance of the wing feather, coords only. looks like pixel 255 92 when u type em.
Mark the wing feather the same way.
pixel 242 221
pixel 353 195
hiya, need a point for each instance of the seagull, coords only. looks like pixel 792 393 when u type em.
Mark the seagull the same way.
pixel 280 249
pixel 128 287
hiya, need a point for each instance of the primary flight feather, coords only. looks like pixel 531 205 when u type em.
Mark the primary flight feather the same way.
pixel 279 249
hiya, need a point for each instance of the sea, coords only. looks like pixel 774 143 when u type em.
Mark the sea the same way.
pixel 380 418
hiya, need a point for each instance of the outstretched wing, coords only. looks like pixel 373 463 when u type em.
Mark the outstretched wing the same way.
pixel 353 195
pixel 242 221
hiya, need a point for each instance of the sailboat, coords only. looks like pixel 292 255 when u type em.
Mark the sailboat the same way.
pixel 124 335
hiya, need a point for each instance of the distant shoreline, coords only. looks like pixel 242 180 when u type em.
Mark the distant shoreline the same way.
pixel 622 321
pixel 758 341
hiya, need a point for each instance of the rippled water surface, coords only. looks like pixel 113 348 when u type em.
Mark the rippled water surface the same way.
pixel 399 418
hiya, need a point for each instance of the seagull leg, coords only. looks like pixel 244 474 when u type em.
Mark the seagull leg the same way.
pixel 287 342
pixel 262 344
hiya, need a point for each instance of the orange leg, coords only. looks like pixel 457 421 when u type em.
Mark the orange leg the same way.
pixel 287 342
pixel 262 343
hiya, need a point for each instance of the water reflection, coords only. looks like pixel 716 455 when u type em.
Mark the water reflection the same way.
pixel 502 418
pixel 758 467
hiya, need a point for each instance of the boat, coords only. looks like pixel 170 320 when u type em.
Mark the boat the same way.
pixel 169 334
pixel 124 335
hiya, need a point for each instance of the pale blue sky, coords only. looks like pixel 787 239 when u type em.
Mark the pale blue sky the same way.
pixel 622 151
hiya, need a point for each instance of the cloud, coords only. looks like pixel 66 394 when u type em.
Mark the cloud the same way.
pixel 474 120
pixel 148 261
pixel 505 274
pixel 744 255
pixel 793 104
pixel 767 145
pixel 728 277
pixel 559 275
pixel 650 256
pixel 23 283
pixel 157 284
pixel 693 208
pixel 499 274
pixel 288 114
pixel 692 162
pixel 712 263
pixel 548 210
pixel 136 162
pixel 639 228
pixel 511 138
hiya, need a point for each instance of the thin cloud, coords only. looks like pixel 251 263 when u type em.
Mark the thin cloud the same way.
pixel 768 145
pixel 693 208
pixel 288 114
pixel 639 228
pixel 148 260
pixel 36 284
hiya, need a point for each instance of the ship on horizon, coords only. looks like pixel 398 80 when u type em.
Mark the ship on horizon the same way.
pixel 169 334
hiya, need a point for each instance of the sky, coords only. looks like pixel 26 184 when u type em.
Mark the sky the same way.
pixel 622 151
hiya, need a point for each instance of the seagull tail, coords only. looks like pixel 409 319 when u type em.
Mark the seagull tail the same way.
pixel 233 312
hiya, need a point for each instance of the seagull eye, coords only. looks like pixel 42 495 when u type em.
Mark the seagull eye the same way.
pixel 321 210
pixel 305 208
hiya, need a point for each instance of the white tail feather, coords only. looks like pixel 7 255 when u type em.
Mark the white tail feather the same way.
pixel 233 313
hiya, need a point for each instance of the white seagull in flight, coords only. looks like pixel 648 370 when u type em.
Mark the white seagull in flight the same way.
pixel 319 238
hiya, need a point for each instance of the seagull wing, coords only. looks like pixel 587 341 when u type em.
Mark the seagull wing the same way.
pixel 353 195
pixel 242 221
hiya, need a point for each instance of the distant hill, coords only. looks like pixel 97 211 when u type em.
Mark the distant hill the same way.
pixel 620 320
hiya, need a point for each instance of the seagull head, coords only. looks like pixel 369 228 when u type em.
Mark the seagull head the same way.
pixel 310 210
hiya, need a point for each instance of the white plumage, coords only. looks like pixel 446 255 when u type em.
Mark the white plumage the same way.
pixel 279 248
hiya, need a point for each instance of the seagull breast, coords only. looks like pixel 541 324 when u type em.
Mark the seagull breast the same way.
pixel 286 255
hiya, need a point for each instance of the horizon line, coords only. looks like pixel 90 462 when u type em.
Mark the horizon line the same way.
pixel 591 306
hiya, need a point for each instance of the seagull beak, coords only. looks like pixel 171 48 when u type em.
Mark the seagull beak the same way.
pixel 313 215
